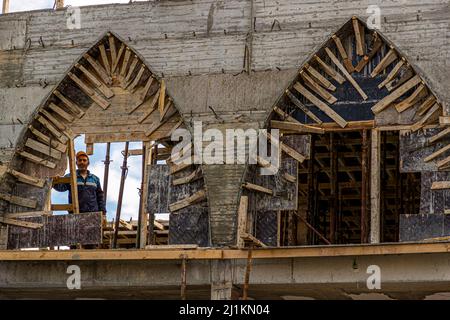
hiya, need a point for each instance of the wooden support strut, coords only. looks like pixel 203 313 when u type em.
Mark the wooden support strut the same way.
pixel 23 202
pixel 346 74
pixel 320 78
pixel 302 107
pixel 70 104
pixel 18 223
pixel 102 102
pixel 377 44
pixel 358 36
pixel 47 140
pixel 196 197
pixel 107 92
pixel 389 58
pixel 315 87
pixel 330 70
pixel 393 73
pixel 23 177
pixel 409 102
pixel 347 63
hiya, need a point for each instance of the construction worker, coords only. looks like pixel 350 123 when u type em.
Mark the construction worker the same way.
pixel 90 193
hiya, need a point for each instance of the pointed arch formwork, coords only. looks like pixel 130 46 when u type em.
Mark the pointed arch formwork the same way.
pixel 110 95
pixel 356 86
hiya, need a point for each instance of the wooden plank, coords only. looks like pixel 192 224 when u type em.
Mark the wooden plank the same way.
pixel 438 136
pixel 440 185
pixel 426 105
pixel 162 96
pixel 411 100
pixel 47 140
pixel 320 78
pixel 436 154
pixel 389 58
pixel 151 108
pixel 61 207
pixel 377 44
pixel 119 55
pixel 28 214
pixel 196 197
pixel 397 82
pixel 321 105
pixel 143 95
pixel 98 99
pixel 255 241
pixel 37 160
pixel 61 180
pixel 358 37
pixel 23 202
pixel 63 114
pixel 289 177
pixel 386 101
pixel 73 177
pixel 330 70
pixel 155 126
pixel 125 61
pixel 296 127
pixel 174 168
pixel 443 163
pixel 242 220
pixel 99 69
pixel 393 73
pixel 302 107
pixel 419 124
pixel 254 187
pixel 286 149
pixel 19 223
pixel 42 148
pixel 130 71
pixel 58 124
pixel 132 86
pixel 375 174
pixel 70 104
pixel 194 175
pixel 24 178
pixel 105 59
pixel 346 74
pixel 103 88
pixel 347 63
pixel 112 50
pixel 314 86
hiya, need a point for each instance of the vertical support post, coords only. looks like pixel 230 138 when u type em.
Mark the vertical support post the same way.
pixel 248 269
pixel 73 177
pixel 149 214
pixel 375 188
pixel 3 237
pixel 311 205
pixel 242 220
pixel 278 228
pixel 143 207
pixel 364 187
pixel 183 277
pixel 333 192
pixel 107 162
pixel 119 202
pixel 221 280
pixel 5 7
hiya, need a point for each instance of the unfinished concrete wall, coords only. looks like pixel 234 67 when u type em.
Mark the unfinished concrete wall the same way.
pixel 187 41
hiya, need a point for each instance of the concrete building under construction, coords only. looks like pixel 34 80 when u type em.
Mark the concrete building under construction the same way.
pixel 358 90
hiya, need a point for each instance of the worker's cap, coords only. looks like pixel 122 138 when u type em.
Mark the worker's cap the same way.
pixel 82 154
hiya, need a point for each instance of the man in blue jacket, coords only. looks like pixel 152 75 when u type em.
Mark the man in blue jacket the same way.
pixel 90 193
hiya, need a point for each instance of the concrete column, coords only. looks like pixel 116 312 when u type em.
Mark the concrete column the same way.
pixel 221 280
pixel 375 188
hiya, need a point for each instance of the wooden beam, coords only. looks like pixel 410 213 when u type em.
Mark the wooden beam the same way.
pixel 23 177
pixel 98 99
pixel 174 168
pixel 112 49
pixel 242 220
pixel 42 148
pixel 301 106
pixel 436 154
pixel 59 4
pixel 397 82
pixel 63 114
pixel 440 185
pixel 151 108
pixel 330 70
pixel 105 59
pixel 99 69
pixel 296 127
pixel 377 44
pixel 133 85
pixel 426 105
pixel 142 95
pixel 125 61
pixel 438 136
pixel 443 163
pixel 347 63
pixel 346 74
pixel 411 100
pixel 37 160
pixel 194 175
pixel 5 7
pixel 320 104
pixel 47 140
pixel 375 173
pixel 392 74
pixel 70 104
pixel 61 207
pixel 119 55
pixel 253 240
pixel 360 42
pixel 419 124
pixel 103 88
pixel 389 58
pixel 130 71
pixel 315 87
pixel 19 223
pixel 73 177
pixel 324 82
pixel 386 101
pixel 155 126
pixel 196 197
pixel 23 202
pixel 28 214
pixel 286 149
pixel 255 187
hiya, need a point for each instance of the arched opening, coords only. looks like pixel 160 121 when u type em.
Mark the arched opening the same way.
pixel 356 122
pixel 108 96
